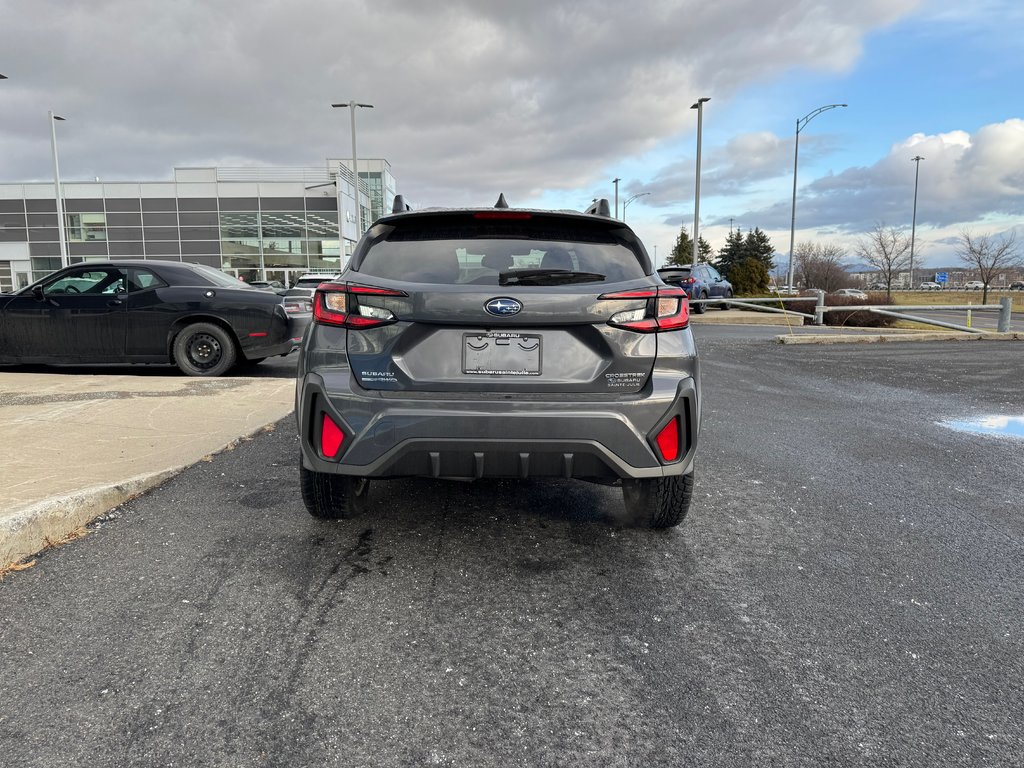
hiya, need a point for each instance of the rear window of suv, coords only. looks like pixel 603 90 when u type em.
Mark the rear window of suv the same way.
pixel 462 250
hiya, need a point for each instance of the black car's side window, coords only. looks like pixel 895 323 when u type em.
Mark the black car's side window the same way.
pixel 142 279
pixel 89 280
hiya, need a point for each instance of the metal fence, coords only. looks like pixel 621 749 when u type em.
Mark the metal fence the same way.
pixel 899 311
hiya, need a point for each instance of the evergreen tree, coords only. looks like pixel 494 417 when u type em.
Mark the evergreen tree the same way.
pixel 682 251
pixel 705 253
pixel 749 277
pixel 758 245
pixel 732 253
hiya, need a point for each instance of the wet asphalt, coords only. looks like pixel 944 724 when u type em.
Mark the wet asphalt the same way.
pixel 847 590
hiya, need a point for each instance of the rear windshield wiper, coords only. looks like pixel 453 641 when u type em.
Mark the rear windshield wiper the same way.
pixel 547 277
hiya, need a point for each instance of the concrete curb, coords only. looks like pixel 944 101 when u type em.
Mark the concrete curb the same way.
pixel 32 529
pixel 876 338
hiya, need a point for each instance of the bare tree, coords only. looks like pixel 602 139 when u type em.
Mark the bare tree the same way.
pixel 886 249
pixel 988 254
pixel 820 266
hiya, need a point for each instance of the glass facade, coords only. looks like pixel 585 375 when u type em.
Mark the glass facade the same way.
pixel 250 222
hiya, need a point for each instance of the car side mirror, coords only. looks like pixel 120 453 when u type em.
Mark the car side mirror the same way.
pixel 37 292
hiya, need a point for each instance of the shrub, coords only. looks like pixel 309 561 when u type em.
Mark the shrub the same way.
pixel 747 277
pixel 852 318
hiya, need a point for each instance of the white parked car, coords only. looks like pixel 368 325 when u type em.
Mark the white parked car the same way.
pixel 929 286
pixel 973 285
pixel 852 293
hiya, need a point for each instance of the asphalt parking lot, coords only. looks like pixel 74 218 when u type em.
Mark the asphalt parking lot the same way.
pixel 846 591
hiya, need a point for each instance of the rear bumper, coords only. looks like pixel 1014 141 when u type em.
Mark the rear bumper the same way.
pixel 490 438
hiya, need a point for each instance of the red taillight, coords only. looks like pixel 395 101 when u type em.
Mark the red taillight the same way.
pixel 667 310
pixel 331 438
pixel 336 304
pixel 668 440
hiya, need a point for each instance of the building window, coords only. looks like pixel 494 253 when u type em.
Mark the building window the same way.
pixel 87 227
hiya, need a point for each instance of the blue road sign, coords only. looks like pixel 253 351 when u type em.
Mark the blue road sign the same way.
pixel 941 277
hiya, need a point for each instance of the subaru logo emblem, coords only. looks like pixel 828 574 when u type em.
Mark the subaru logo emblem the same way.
pixel 503 307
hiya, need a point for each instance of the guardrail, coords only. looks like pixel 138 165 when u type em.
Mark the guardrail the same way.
pixel 1004 307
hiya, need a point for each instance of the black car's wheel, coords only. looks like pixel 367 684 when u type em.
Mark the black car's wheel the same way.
pixel 700 309
pixel 658 502
pixel 333 497
pixel 728 295
pixel 204 349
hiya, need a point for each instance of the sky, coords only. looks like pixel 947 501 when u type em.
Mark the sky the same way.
pixel 548 101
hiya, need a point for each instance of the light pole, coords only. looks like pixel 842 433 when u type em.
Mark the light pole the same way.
pixel 913 222
pixel 800 125
pixel 630 200
pixel 699 106
pixel 616 181
pixel 655 256
pixel 56 188
pixel 355 160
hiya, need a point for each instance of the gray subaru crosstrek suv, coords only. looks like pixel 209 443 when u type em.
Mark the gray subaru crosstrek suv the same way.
pixel 499 343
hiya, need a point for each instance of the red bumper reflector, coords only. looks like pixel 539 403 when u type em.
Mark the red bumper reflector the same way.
pixel 668 440
pixel 331 438
pixel 257 335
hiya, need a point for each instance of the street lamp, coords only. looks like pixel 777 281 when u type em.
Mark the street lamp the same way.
pixel 800 125
pixel 56 187
pixel 355 161
pixel 616 181
pixel 913 222
pixel 699 106
pixel 626 204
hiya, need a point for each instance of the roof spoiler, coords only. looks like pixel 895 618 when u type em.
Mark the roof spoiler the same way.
pixel 600 208
pixel 400 206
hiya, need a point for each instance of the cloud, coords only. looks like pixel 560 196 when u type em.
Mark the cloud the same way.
pixel 470 97
pixel 963 178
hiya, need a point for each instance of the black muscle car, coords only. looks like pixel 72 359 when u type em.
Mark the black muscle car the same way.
pixel 144 311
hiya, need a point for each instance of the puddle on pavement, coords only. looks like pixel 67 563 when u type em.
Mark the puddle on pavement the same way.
pixel 999 426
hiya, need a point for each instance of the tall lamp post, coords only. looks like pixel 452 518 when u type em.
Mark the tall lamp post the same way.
pixel 699 106
pixel 616 181
pixel 800 125
pixel 56 187
pixel 630 200
pixel 913 222
pixel 355 159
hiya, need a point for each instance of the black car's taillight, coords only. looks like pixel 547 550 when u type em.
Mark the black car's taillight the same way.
pixel 351 306
pixel 667 309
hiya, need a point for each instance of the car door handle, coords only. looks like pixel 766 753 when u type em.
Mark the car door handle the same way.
pixel 115 303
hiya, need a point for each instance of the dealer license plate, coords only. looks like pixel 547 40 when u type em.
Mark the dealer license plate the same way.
pixel 501 354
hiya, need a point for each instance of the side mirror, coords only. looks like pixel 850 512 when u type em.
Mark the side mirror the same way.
pixel 37 292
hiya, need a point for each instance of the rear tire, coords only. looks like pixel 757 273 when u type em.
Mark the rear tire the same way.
pixel 333 497
pixel 204 349
pixel 700 309
pixel 658 502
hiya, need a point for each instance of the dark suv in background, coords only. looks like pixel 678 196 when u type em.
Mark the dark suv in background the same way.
pixel 499 343
pixel 700 282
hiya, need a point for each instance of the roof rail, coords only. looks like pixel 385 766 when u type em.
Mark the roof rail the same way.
pixel 502 202
pixel 600 208
pixel 400 206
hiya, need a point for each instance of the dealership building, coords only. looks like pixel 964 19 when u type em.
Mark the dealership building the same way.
pixel 269 223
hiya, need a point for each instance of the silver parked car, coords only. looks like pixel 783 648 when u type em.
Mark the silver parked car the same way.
pixel 499 343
